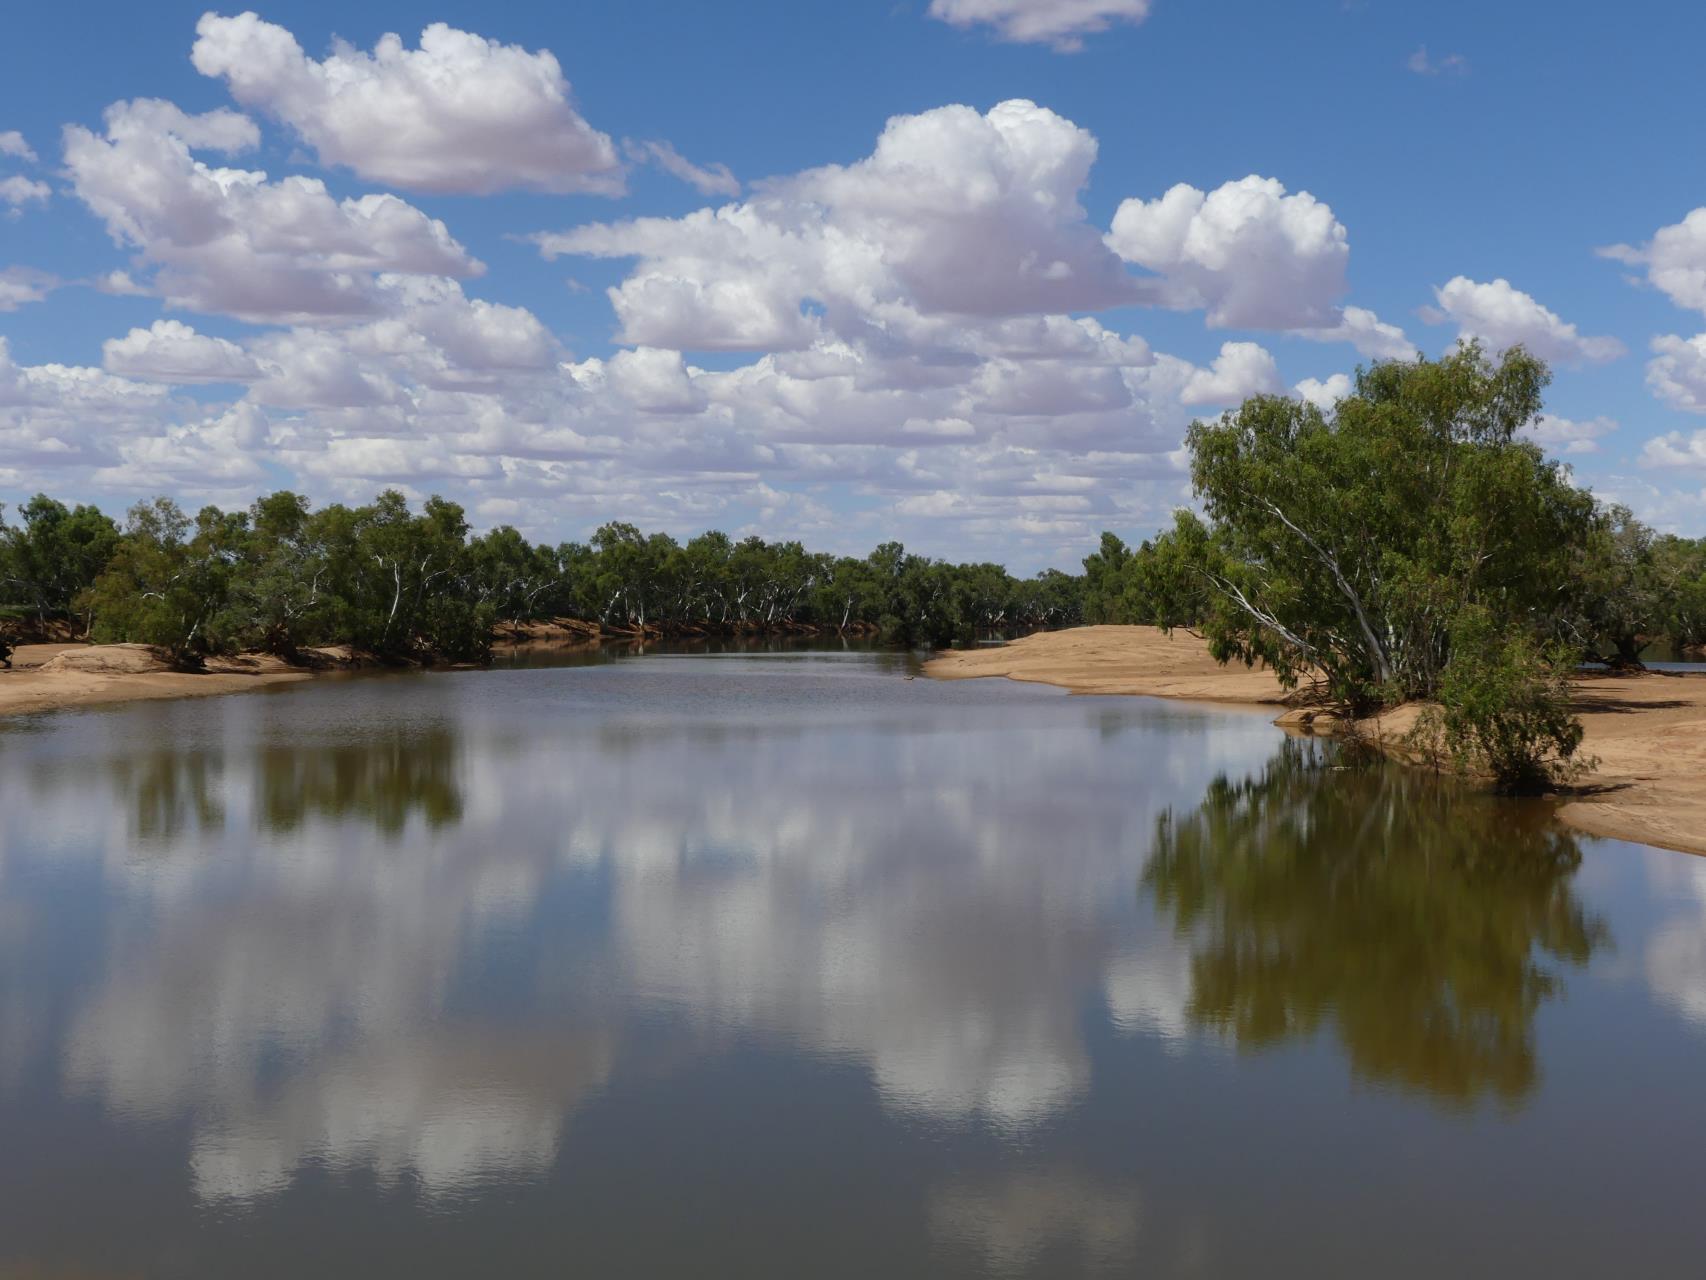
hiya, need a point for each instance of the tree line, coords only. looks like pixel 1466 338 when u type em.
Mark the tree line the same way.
pixel 282 577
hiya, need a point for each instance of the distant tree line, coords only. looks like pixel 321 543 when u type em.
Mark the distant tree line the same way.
pixel 283 576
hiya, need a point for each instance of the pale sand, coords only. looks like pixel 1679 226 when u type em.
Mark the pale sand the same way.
pixel 51 677
pixel 1648 730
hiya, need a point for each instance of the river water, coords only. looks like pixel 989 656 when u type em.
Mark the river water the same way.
pixel 790 965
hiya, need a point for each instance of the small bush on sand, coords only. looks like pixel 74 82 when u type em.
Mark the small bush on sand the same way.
pixel 1504 710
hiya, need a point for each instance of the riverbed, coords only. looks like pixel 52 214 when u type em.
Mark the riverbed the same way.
pixel 793 964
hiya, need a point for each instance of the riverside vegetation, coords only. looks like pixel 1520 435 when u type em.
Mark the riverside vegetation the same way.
pixel 1407 545
pixel 282 577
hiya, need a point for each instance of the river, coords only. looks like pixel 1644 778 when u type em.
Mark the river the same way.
pixel 790 964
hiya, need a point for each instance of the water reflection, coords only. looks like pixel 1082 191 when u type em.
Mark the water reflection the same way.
pixel 1424 925
pixel 1676 954
pixel 170 790
pixel 1009 1223
pixel 795 946
pixel 385 777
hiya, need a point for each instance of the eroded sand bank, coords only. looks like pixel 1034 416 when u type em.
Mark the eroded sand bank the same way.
pixel 1648 730
pixel 50 677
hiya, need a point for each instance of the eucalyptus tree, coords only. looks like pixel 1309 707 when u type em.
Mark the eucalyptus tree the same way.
pixel 1679 569
pixel 169 580
pixel 1105 571
pixel 1348 545
pixel 52 556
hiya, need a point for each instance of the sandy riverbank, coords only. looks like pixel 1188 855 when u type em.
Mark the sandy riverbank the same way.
pixel 52 677
pixel 1648 730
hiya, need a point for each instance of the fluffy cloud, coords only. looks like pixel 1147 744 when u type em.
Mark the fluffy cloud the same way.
pixel 1564 435
pixel 1503 316
pixel 1324 393
pixel 1367 332
pixel 230 241
pixel 57 418
pixel 1242 369
pixel 1249 254
pixel 953 213
pixel 1677 372
pixel 1060 24
pixel 1676 450
pixel 20 285
pixel 1675 260
pixel 17 191
pixel 1253 257
pixel 460 113
pixel 216 455
pixel 707 180
pixel 12 144
pixel 170 351
pixel 648 378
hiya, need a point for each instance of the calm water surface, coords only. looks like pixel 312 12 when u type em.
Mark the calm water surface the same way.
pixel 785 965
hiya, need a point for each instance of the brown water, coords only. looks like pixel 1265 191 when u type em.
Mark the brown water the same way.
pixel 785 965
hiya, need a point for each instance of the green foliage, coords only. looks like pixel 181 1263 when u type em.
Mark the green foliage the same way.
pixel 282 577
pixel 169 581
pixel 51 557
pixel 1411 544
pixel 1619 592
pixel 1345 547
pixel 1105 572
pixel 1504 709
pixel 1679 574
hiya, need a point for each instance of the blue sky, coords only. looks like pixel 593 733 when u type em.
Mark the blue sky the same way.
pixel 963 335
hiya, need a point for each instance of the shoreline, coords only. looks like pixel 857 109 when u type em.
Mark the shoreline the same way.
pixel 1648 730
pixel 76 675
pixel 72 677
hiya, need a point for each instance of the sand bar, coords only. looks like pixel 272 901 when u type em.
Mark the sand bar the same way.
pixel 53 677
pixel 1648 730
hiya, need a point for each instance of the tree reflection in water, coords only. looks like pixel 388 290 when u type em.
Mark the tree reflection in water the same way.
pixel 169 789
pixel 382 779
pixel 386 779
pixel 1425 923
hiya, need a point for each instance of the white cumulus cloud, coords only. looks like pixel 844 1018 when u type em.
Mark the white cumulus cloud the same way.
pixel 1253 256
pixel 1675 260
pixel 1677 371
pixel 1324 393
pixel 171 351
pixel 1503 316
pixel 955 212
pixel 1060 24
pixel 1242 369
pixel 1565 435
pixel 17 191
pixel 233 242
pixel 21 285
pixel 12 144
pixel 707 180
pixel 1676 450
pixel 460 113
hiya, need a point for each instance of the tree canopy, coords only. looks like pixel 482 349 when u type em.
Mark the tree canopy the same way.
pixel 282 576
pixel 1410 543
